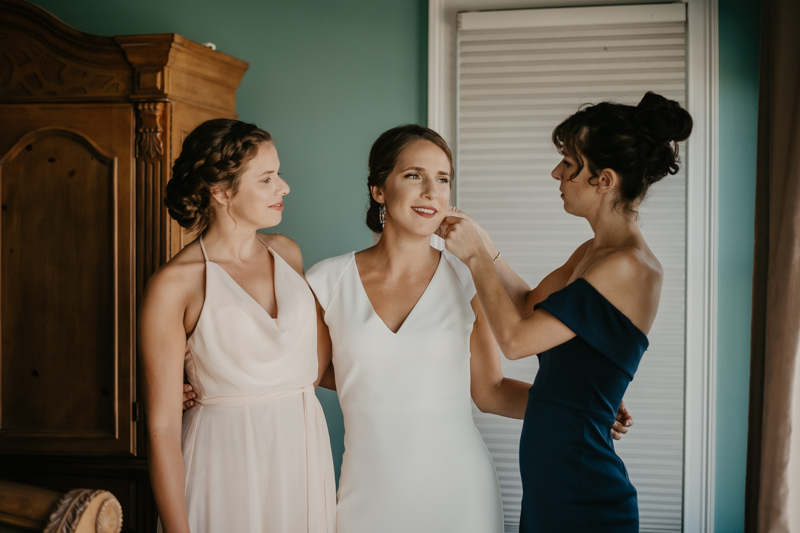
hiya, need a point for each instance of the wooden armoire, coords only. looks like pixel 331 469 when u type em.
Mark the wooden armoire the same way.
pixel 89 128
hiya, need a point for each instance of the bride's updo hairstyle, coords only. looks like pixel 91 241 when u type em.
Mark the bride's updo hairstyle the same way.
pixel 639 143
pixel 214 154
pixel 383 158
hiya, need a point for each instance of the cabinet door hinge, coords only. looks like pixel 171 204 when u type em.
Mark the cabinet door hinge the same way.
pixel 135 411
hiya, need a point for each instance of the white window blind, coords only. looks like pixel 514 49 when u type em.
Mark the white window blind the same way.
pixel 519 74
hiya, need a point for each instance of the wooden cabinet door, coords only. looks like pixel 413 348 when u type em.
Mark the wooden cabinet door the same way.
pixel 66 279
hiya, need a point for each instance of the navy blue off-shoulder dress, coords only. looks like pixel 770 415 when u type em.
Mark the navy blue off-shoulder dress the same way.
pixel 572 479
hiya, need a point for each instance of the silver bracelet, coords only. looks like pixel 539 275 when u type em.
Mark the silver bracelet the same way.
pixel 497 257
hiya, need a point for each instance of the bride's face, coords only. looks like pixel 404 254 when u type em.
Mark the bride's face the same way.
pixel 417 192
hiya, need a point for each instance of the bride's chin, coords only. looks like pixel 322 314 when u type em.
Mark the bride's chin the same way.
pixel 421 232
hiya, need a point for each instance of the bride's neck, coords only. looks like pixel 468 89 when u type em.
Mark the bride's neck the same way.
pixel 403 253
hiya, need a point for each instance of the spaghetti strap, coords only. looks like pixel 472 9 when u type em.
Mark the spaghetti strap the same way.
pixel 262 242
pixel 203 247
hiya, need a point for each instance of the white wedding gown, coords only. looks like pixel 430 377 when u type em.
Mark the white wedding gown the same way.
pixel 414 461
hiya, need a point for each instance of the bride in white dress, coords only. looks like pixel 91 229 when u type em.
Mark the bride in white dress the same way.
pixel 411 349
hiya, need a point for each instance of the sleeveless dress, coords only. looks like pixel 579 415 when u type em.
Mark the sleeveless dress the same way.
pixel 572 479
pixel 256 449
pixel 414 460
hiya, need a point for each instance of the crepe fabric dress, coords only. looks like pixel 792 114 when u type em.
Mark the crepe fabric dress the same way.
pixel 572 479
pixel 414 460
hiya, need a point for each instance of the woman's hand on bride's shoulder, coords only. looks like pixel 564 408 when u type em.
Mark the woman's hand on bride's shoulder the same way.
pixel 188 396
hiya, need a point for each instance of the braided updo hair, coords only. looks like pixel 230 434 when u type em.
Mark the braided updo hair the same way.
pixel 214 154
pixel 638 142
pixel 383 158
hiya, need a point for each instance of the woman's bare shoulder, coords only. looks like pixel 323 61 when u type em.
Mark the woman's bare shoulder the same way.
pixel 180 276
pixel 626 265
pixel 286 248
pixel 631 279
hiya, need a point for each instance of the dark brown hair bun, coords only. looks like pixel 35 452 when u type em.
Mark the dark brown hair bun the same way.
pixel 638 142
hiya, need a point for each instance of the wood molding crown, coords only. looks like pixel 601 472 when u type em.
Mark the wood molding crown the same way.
pixel 168 65
pixel 43 58
pixel 18 13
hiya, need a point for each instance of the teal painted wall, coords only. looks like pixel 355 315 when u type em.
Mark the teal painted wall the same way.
pixel 325 79
pixel 739 22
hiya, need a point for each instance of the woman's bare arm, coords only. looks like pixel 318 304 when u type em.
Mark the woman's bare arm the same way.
pixel 518 290
pixel 326 378
pixel 491 391
pixel 516 287
pixel 623 277
pixel 518 336
pixel 162 344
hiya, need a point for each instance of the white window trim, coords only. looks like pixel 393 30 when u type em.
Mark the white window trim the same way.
pixel 701 212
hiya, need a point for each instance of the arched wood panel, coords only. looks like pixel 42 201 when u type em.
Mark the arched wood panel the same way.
pixel 58 275
pixel 67 366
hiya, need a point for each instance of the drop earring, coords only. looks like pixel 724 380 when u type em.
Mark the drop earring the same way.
pixel 382 215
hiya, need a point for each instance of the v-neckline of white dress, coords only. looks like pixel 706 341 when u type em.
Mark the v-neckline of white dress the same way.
pixel 416 304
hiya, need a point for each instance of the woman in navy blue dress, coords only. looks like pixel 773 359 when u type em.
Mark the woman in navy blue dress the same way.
pixel 588 320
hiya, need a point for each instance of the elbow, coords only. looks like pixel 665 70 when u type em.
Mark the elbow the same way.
pixel 513 351
pixel 481 404
pixel 509 343
pixel 481 399
pixel 487 394
pixel 509 348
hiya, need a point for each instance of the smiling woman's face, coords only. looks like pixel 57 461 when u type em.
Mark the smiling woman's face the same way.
pixel 417 192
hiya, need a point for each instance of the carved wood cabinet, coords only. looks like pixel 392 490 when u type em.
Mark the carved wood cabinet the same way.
pixel 89 127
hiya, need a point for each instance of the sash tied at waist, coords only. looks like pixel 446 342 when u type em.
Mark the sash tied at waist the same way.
pixel 240 401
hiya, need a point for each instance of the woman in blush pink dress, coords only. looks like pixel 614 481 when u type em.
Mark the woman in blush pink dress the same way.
pixel 233 311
